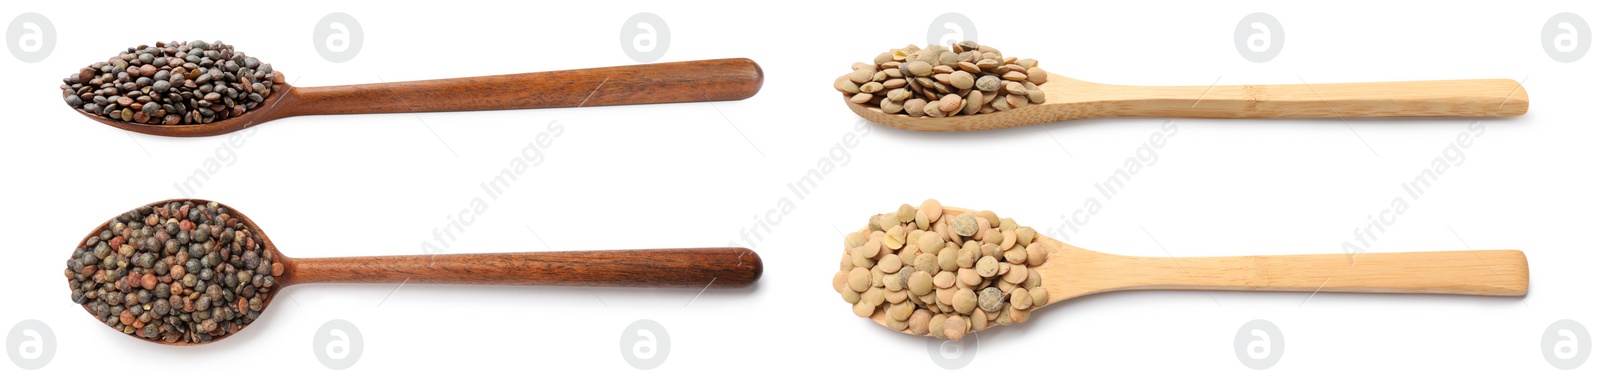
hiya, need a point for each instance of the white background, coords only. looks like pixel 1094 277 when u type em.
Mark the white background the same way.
pixel 690 175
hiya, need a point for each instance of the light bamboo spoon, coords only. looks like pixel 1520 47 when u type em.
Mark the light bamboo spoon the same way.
pixel 1072 272
pixel 654 268
pixel 687 81
pixel 1070 99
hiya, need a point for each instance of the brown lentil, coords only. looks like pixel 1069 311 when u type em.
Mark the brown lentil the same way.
pixel 173 83
pixel 938 81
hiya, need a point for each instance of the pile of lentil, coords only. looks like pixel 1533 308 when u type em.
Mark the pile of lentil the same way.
pixel 963 79
pixel 933 272
pixel 176 272
pixel 172 83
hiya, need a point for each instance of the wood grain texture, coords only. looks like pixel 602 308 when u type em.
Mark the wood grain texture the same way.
pixel 687 81
pixel 674 268
pixel 1073 272
pixel 1071 99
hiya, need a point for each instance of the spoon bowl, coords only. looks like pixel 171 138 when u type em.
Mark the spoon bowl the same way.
pixel 1072 272
pixel 268 111
pixel 687 81
pixel 694 268
pixel 1067 98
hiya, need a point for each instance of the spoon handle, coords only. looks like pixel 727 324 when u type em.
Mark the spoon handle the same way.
pixel 687 81
pixel 1480 272
pixel 1465 98
pixel 682 268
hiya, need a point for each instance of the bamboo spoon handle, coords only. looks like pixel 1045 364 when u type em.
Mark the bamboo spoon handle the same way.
pixel 1470 98
pixel 688 81
pixel 685 268
pixel 1482 272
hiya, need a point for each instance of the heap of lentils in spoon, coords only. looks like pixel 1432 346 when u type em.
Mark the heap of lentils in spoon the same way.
pixel 962 79
pixel 172 83
pixel 937 273
pixel 176 272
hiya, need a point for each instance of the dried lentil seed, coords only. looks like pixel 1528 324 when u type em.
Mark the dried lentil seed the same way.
pixel 947 259
pixel 965 301
pixel 895 238
pixel 1036 254
pixel 945 279
pixel 1036 96
pixel 988 267
pixel 936 325
pixel 895 296
pixel 931 242
pixel 1040 296
pixel 840 280
pixel 901 311
pixel 962 283
pixel 892 282
pixel 915 107
pixel 1020 299
pixel 988 83
pixel 919 321
pixel 969 277
pixel 843 84
pixel 932 75
pixel 1016 255
pixel 932 110
pixel 921 283
pixel 873 296
pixel 137 283
pixel 1016 274
pixel 965 224
pixel 889 264
pixel 989 217
pixel 862 309
pixel 860 279
pixel 151 81
pixel 955 327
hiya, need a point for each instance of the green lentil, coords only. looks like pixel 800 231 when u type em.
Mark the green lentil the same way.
pixel 967 271
pixel 144 288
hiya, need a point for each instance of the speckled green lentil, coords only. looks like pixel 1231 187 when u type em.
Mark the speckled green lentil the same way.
pixel 952 273
pixel 182 272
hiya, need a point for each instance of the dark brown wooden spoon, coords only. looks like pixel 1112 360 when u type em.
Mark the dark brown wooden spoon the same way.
pixel 653 268
pixel 687 81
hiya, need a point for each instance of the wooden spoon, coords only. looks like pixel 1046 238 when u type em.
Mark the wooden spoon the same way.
pixel 1072 272
pixel 1070 99
pixel 688 81
pixel 655 268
